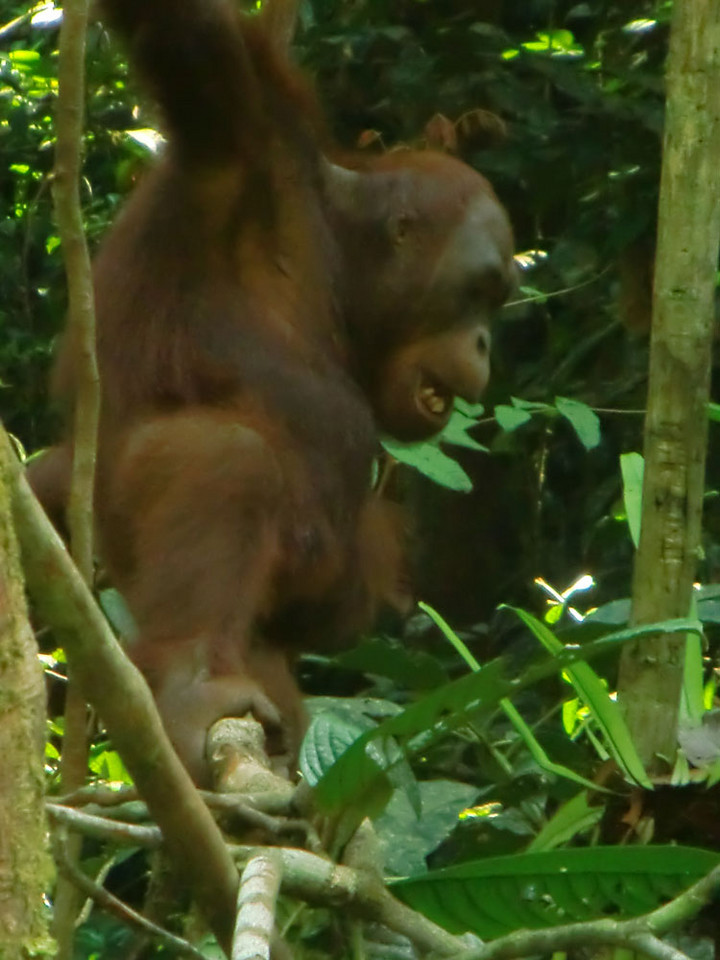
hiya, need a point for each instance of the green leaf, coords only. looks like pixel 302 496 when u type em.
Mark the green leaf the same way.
pixel 23 56
pixel 106 763
pixel 572 818
pixel 534 406
pixel 632 467
pixel 605 711
pixel 526 735
pixel 494 897
pixel 327 738
pixel 429 460
pixel 406 839
pixel 456 432
pixel 692 706
pixel 365 784
pixel 414 669
pixel 449 707
pixel 510 418
pixel 713 411
pixel 584 421
pixel 472 410
pixel 118 613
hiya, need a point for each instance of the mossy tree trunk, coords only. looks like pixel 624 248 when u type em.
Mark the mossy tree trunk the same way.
pixel 676 422
pixel 25 866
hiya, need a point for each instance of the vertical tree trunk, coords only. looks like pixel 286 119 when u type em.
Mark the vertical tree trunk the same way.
pixel 25 867
pixel 69 117
pixel 676 422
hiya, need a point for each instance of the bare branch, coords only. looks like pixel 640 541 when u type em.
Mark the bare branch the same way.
pixel 104 828
pixel 257 897
pixel 317 880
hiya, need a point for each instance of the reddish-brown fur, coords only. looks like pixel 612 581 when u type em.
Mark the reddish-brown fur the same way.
pixel 260 313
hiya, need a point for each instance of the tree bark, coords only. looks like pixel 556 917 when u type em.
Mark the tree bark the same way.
pixel 69 116
pixel 676 422
pixel 25 866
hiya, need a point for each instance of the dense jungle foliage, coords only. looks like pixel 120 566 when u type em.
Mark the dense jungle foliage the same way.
pixel 560 105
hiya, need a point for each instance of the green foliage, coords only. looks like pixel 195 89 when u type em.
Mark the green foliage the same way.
pixel 604 710
pixel 632 466
pixel 345 774
pixel 429 460
pixel 580 87
pixel 497 896
pixel 583 420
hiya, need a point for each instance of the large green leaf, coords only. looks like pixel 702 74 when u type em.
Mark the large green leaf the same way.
pixel 585 422
pixel 428 459
pixel 493 897
pixel 405 838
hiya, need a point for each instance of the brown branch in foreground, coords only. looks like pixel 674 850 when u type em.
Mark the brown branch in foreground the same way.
pixel 107 901
pixel 114 686
pixel 257 897
pixel 317 880
pixel 309 877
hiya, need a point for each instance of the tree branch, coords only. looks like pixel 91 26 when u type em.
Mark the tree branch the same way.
pixel 118 691
pixel 69 119
pixel 317 880
pixel 105 828
pixel 257 897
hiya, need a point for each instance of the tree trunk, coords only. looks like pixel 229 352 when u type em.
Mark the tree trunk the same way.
pixel 676 422
pixel 25 866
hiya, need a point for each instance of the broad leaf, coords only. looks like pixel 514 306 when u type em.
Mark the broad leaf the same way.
pixel 510 418
pixel 406 838
pixel 428 459
pixel 456 432
pixel 496 896
pixel 584 421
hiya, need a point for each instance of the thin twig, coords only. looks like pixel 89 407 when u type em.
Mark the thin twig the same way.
pixel 99 794
pixel 101 828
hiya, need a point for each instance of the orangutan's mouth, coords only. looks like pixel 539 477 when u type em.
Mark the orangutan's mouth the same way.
pixel 433 398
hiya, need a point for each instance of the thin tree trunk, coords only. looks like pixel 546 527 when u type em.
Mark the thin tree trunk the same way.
pixel 676 422
pixel 25 866
pixel 81 322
